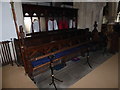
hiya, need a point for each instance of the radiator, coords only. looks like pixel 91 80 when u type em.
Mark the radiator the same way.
pixel 5 53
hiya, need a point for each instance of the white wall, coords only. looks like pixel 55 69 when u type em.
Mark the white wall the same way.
pixel 0 38
pixel 8 27
pixel 88 13
pixel 19 13
pixel 0 21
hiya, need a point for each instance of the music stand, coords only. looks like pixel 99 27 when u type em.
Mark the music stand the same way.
pixel 88 58
pixel 52 72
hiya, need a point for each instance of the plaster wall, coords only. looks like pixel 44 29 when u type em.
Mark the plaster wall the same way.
pixel 88 13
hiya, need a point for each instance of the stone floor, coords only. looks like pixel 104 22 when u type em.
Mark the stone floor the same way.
pixel 72 72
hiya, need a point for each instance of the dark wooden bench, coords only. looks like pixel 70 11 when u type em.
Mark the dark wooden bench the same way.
pixel 36 50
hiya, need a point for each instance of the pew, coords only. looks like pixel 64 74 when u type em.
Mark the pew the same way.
pixel 64 45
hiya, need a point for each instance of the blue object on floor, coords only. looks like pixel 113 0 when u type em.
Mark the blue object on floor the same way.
pixel 59 66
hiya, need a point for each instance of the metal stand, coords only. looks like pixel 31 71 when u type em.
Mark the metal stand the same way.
pixel 88 58
pixel 105 51
pixel 13 48
pixel 52 73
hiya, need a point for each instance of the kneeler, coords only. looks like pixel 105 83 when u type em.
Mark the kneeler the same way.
pixel 59 55
pixel 59 66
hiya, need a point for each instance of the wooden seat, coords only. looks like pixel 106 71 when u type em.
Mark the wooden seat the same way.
pixel 66 45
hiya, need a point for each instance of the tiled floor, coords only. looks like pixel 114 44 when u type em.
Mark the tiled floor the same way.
pixel 104 76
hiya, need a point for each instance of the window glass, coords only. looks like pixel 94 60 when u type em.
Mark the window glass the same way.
pixel 35 24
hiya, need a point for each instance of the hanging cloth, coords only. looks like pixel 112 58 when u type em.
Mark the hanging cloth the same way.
pixel 36 26
pixel 74 23
pixel 60 24
pixel 70 23
pixel 52 25
pixel 55 25
pixel 63 24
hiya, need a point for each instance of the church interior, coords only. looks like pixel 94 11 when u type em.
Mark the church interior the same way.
pixel 56 45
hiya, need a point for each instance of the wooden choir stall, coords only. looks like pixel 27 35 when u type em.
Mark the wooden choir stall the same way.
pixel 64 42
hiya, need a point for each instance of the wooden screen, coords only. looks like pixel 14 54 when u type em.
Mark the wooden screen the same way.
pixel 36 18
